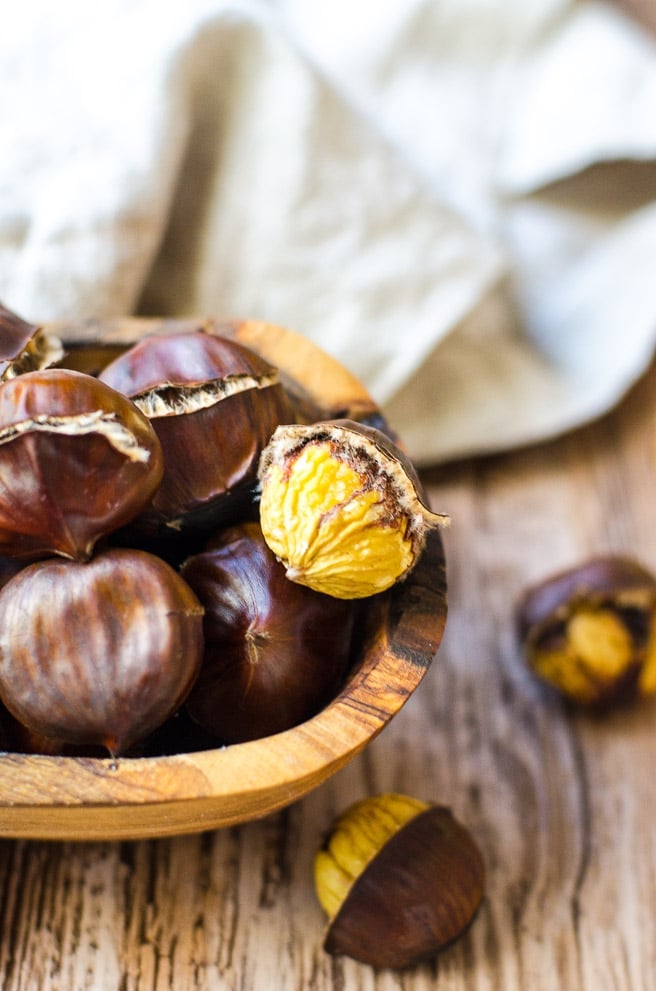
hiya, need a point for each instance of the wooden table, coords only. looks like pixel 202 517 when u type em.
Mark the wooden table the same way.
pixel 562 804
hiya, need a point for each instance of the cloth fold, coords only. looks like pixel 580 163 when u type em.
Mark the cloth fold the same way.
pixel 455 198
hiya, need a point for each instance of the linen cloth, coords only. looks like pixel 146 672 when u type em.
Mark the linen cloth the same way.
pixel 455 198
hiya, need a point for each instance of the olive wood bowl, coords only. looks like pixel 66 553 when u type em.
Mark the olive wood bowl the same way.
pixel 80 798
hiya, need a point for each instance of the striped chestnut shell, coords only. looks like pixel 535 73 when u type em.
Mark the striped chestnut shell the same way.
pixel 77 461
pixel 214 405
pixel 98 653
pixel 275 652
pixel 589 631
pixel 400 879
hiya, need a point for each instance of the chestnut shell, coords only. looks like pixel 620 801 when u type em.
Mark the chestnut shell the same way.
pixel 611 583
pixel 418 894
pixel 77 461
pixel 275 652
pixel 214 405
pixel 99 653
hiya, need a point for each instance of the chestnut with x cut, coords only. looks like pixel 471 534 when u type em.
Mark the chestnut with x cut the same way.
pixel 78 460
pixel 99 653
pixel 213 404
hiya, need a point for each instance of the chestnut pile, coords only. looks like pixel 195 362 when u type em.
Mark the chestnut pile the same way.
pixel 143 610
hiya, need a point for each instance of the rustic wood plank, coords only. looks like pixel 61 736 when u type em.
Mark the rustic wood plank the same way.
pixel 562 804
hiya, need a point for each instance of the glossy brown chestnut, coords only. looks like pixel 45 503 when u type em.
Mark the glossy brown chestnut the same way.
pixel 214 404
pixel 98 653
pixel 25 347
pixel 590 630
pixel 275 652
pixel 77 460
pixel 400 879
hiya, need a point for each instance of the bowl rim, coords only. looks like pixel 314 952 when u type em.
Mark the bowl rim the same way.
pixel 56 797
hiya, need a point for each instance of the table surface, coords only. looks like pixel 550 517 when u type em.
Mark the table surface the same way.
pixel 560 803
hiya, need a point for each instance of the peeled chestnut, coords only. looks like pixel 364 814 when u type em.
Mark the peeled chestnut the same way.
pixel 77 460
pixel 214 404
pixel 341 505
pixel 399 879
pixel 590 631
pixel 275 652
pixel 98 653
pixel 25 347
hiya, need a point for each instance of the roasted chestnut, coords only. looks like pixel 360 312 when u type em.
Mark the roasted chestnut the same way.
pixel 342 506
pixel 589 631
pixel 214 404
pixel 77 460
pixel 98 653
pixel 275 652
pixel 399 879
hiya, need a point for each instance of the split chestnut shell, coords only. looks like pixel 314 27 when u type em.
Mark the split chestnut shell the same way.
pixel 590 631
pixel 213 404
pixel 400 879
pixel 342 507
pixel 77 461
pixel 98 653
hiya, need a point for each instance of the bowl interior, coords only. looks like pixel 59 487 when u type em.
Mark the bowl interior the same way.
pixel 130 798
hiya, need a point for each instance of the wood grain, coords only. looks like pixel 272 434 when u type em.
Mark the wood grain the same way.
pixel 561 804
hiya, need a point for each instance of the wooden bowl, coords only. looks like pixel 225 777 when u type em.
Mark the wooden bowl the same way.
pixel 87 798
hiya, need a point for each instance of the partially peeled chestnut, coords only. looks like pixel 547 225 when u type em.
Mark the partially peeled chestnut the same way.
pixel 78 460
pixel 400 879
pixel 589 631
pixel 214 405
pixel 275 652
pixel 98 653
pixel 343 507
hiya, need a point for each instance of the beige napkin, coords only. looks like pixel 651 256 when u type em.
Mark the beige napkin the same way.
pixel 455 198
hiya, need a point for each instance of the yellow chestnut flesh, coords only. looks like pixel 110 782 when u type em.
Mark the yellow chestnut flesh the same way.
pixel 275 652
pixel 399 879
pixel 590 631
pixel 341 507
